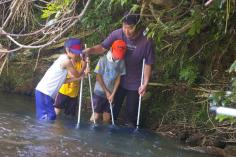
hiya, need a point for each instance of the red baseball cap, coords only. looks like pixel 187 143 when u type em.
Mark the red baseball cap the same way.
pixel 119 49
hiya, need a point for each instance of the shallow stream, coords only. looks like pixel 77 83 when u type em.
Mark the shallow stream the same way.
pixel 22 136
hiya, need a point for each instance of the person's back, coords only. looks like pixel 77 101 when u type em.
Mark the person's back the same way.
pixel 53 78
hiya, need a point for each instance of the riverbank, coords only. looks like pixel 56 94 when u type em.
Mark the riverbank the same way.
pixel 199 139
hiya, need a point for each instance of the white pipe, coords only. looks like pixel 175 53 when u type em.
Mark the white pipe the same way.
pixel 91 96
pixel 80 100
pixel 112 118
pixel 224 111
pixel 140 97
pixel 90 89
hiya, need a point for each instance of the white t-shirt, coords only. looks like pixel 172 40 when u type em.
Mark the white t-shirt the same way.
pixel 53 78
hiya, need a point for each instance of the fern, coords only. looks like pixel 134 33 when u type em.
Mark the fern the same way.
pixel 188 74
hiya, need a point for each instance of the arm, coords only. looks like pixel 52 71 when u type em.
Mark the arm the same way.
pixel 149 61
pixel 105 45
pixel 116 85
pixel 81 72
pixel 68 80
pixel 102 84
pixel 71 70
pixel 147 75
pixel 85 66
pixel 97 49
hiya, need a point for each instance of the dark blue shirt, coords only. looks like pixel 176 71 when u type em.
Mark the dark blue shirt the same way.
pixel 137 49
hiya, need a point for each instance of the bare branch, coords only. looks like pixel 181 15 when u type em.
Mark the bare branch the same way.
pixel 47 34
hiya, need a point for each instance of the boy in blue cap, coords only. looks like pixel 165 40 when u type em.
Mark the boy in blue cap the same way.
pixel 53 79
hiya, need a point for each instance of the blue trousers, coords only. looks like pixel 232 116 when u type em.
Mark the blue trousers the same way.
pixel 44 106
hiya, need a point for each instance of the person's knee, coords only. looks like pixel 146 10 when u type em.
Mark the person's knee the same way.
pixel 57 110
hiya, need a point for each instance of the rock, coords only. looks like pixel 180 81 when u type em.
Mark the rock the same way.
pixel 219 142
pixel 217 152
pixel 183 135
pixel 195 139
pixel 27 88
pixel 230 151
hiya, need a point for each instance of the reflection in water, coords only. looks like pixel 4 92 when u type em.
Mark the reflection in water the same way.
pixel 22 136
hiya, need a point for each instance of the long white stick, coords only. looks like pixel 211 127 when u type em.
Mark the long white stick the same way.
pixel 224 111
pixel 112 118
pixel 80 100
pixel 140 97
pixel 91 95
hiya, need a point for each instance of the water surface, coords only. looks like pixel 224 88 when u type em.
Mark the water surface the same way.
pixel 22 136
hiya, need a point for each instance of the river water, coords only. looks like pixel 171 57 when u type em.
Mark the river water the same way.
pixel 22 136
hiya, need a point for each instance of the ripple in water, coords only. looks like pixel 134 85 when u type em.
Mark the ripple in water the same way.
pixel 22 136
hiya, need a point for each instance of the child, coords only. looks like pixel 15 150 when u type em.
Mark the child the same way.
pixel 55 76
pixel 68 93
pixel 109 69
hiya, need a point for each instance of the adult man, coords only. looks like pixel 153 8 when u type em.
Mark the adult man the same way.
pixel 138 48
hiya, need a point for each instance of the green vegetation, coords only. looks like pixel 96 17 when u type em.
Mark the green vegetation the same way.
pixel 195 55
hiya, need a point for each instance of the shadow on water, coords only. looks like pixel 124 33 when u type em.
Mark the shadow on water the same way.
pixel 22 136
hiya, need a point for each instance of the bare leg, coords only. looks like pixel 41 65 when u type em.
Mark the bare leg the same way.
pixel 106 117
pixel 96 116
pixel 57 110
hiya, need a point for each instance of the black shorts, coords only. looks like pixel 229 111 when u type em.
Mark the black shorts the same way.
pixel 68 103
pixel 100 104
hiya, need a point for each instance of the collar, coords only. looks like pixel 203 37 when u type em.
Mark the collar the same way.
pixel 109 57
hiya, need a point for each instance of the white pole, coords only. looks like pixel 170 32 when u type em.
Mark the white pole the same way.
pixel 91 95
pixel 90 89
pixel 112 118
pixel 224 111
pixel 140 97
pixel 80 100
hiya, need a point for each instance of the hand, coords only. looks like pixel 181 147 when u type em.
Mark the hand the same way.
pixel 84 53
pixel 87 60
pixel 85 67
pixel 142 90
pixel 87 71
pixel 110 98
pixel 81 77
pixel 108 94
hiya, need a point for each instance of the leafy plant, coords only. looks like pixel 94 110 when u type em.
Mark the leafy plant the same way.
pixel 121 2
pixel 221 118
pixel 189 74
pixel 55 7
pixel 232 67
pixel 197 23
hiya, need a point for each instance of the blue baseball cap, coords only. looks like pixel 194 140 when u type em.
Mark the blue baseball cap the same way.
pixel 74 45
